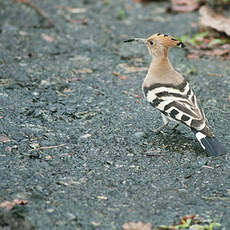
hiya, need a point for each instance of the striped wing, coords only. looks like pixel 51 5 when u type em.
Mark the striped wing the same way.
pixel 179 103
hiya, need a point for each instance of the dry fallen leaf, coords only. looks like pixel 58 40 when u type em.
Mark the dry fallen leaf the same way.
pixel 208 167
pixel 76 10
pixel 48 157
pixel 200 51
pixel 85 70
pixel 94 223
pixel 72 10
pixel 229 98
pixel 102 197
pixel 184 5
pixel 67 90
pixel 143 1
pixel 131 94
pixel 4 139
pixel 120 76
pixel 136 226
pixel 83 21
pixel 48 38
pixel 132 69
pixel 216 52
pixel 215 74
pixel 9 205
pixel 75 79
pixel 185 218
pixel 216 21
pixel 193 56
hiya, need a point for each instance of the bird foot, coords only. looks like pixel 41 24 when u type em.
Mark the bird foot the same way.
pixel 159 129
pixel 166 125
pixel 173 127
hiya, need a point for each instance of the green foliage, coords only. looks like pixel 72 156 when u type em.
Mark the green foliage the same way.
pixel 120 14
pixel 187 224
pixel 195 39
pixel 203 38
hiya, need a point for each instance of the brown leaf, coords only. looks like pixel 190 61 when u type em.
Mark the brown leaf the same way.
pixel 142 1
pixel 96 224
pixel 226 46
pixel 136 226
pixel 132 69
pixel 85 70
pixel 9 205
pixel 229 101
pixel 76 10
pixel 48 38
pixel 184 5
pixel 4 139
pixel 199 52
pixel 193 56
pixel 218 52
pixel 185 218
pixel 216 21
pixel 83 21
pixel 131 94
pixel 120 77
pixel 72 10
pixel 75 79
pixel 215 74
pixel 48 157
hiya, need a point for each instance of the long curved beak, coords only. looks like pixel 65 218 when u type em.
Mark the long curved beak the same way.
pixel 136 40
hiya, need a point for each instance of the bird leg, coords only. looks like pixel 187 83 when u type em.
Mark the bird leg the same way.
pixel 174 127
pixel 165 121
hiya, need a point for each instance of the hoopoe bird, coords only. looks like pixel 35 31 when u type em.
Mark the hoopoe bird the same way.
pixel 168 91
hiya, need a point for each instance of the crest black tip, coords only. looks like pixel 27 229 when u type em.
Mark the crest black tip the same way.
pixel 130 40
pixel 181 44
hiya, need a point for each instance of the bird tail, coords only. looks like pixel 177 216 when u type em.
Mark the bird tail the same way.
pixel 210 144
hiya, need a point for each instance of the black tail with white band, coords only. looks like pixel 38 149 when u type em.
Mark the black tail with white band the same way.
pixel 210 144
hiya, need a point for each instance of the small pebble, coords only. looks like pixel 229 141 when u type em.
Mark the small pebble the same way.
pixel 85 136
pixel 139 134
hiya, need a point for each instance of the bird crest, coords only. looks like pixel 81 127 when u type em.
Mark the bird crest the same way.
pixel 166 40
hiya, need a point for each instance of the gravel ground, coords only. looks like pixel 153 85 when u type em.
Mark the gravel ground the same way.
pixel 76 140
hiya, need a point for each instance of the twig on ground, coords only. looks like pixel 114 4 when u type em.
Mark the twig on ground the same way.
pixel 215 74
pixel 39 11
pixel 48 147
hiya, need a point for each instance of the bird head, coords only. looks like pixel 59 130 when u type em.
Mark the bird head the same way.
pixel 158 44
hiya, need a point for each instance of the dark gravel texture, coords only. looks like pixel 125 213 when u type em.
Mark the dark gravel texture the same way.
pixel 76 141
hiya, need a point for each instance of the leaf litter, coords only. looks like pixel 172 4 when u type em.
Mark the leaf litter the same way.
pixel 207 43
pixel 191 222
pixel 132 69
pixel 183 6
pixel 214 20
pixel 8 205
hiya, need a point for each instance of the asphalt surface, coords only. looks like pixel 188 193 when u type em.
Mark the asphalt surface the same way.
pixel 76 136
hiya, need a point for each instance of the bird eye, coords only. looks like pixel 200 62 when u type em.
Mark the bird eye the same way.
pixel 151 42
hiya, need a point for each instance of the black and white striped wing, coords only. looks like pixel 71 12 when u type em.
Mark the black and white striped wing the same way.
pixel 179 103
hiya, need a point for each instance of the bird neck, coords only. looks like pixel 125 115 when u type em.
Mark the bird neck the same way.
pixel 160 63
